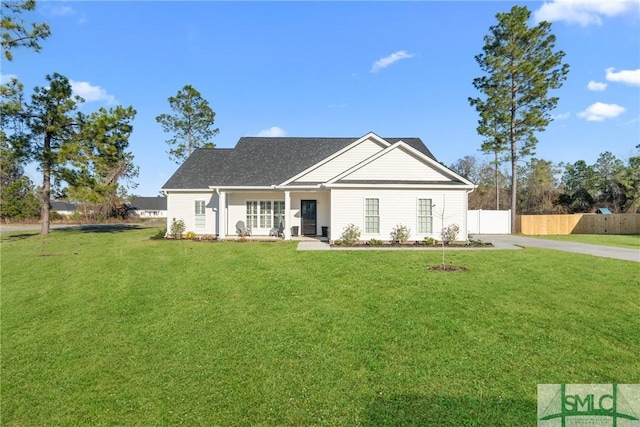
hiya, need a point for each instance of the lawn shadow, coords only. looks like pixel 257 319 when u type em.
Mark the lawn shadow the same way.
pixel 443 411
pixel 101 228
pixel 20 236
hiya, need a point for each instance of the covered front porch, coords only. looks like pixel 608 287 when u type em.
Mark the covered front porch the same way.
pixel 288 214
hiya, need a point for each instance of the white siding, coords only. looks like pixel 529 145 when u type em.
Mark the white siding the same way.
pixel 182 206
pixel 238 208
pixel 346 160
pixel 398 207
pixel 397 165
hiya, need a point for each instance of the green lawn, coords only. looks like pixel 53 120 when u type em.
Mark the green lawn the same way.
pixel 619 240
pixel 115 329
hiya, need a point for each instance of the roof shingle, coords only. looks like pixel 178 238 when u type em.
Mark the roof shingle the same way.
pixel 257 161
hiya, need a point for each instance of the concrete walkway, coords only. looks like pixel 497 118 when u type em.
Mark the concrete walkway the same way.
pixel 313 245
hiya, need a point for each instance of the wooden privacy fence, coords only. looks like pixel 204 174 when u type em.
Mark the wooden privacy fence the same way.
pixel 579 224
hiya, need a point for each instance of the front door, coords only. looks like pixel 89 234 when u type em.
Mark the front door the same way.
pixel 308 217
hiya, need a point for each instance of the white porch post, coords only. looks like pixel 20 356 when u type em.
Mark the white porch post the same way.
pixel 222 215
pixel 287 220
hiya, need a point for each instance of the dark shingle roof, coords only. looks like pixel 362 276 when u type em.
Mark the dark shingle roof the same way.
pixel 257 161
pixel 149 203
pixel 57 205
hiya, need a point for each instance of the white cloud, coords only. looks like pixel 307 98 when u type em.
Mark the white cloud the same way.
pixel 600 111
pixel 92 93
pixel 65 11
pixel 630 77
pixel 596 86
pixel 5 78
pixel 388 60
pixel 582 12
pixel 273 131
pixel 337 106
pixel 562 116
pixel 61 10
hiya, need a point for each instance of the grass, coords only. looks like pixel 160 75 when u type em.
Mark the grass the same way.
pixel 631 241
pixel 115 329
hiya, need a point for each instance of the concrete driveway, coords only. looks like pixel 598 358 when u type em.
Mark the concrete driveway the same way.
pixel 507 241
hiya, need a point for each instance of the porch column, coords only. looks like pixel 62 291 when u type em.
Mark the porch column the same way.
pixel 222 215
pixel 287 221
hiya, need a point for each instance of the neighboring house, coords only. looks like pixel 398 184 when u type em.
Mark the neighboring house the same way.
pixel 149 207
pixel 313 185
pixel 63 208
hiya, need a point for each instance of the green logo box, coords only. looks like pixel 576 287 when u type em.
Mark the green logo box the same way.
pixel 592 405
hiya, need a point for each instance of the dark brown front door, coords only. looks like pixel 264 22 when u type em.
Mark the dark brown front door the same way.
pixel 308 216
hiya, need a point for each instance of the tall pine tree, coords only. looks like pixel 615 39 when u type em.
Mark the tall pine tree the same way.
pixel 191 123
pixel 520 67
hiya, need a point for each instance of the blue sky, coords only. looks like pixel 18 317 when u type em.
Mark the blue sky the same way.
pixel 399 69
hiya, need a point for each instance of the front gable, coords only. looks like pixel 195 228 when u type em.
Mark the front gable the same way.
pixel 355 153
pixel 399 164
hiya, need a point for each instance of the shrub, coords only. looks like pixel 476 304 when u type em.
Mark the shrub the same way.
pixel 161 234
pixel 375 242
pixel 400 233
pixel 350 234
pixel 177 228
pixel 450 234
pixel 55 216
pixel 429 241
pixel 190 235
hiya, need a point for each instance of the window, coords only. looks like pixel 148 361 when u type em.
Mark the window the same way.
pixel 252 214
pixel 371 216
pixel 264 214
pixel 200 218
pixel 278 212
pixel 425 216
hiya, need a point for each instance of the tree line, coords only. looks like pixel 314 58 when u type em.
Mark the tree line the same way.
pixel 557 188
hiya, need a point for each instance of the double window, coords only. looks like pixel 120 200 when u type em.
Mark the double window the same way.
pixel 425 216
pixel 264 213
pixel 372 216
pixel 199 214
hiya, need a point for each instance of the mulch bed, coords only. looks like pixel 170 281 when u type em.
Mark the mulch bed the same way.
pixel 447 267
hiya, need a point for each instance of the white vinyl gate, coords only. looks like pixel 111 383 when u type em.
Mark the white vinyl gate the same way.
pixel 489 222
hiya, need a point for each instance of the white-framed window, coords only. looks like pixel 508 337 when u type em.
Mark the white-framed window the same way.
pixel 371 216
pixel 252 213
pixel 278 212
pixel 264 214
pixel 425 216
pixel 199 214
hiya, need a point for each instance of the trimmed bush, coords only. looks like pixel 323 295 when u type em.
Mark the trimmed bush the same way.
pixel 350 235
pixel 400 233
pixel 177 228
pixel 450 234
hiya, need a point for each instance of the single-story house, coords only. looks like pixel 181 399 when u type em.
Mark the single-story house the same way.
pixel 308 186
pixel 63 208
pixel 149 207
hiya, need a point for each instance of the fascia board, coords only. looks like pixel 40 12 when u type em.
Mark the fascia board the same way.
pixel 404 186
